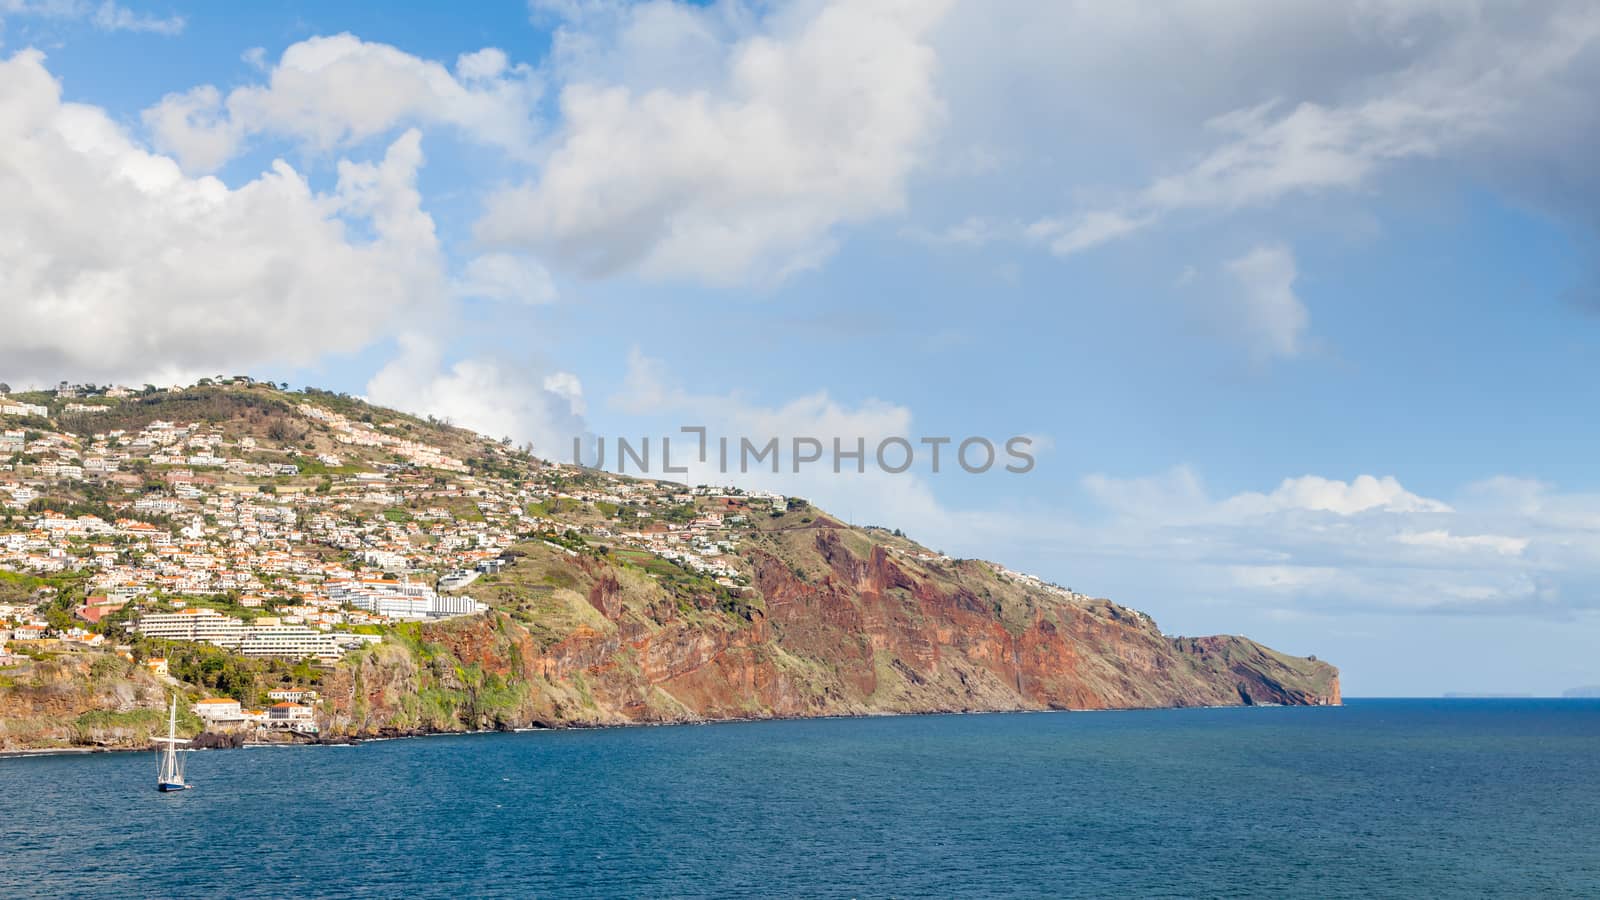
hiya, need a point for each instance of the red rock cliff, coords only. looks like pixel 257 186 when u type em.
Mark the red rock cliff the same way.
pixel 837 625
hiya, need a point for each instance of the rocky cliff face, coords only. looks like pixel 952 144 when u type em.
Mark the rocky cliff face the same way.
pixel 840 622
pixel 842 626
pixel 82 700
pixel 809 617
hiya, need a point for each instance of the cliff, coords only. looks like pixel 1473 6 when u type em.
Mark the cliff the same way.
pixel 621 600
pixel 93 700
pixel 841 627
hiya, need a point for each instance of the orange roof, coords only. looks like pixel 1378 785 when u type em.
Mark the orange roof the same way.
pixel 216 700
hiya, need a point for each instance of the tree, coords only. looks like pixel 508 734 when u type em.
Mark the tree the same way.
pixel 4 388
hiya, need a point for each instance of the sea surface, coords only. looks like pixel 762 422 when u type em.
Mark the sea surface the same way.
pixel 1381 798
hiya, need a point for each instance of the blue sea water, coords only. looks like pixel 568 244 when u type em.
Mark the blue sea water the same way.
pixel 1383 798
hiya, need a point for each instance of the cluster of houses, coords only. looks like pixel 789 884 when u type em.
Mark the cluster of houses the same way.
pixel 296 549
pixel 288 712
pixel 1036 583
pixel 9 407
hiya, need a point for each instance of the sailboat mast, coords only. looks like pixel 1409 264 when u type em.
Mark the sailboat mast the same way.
pixel 170 776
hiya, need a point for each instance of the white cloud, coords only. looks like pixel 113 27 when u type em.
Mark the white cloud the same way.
pixel 1444 540
pixel 114 264
pixel 1269 316
pixel 648 388
pixel 567 386
pixel 484 395
pixel 1502 547
pixel 1179 495
pixel 1177 492
pixel 1364 493
pixel 507 276
pixel 332 92
pixel 109 16
pixel 974 231
pixel 905 499
pixel 1282 578
pixel 811 124
pixel 1091 228
pixel 1480 85
pixel 106 16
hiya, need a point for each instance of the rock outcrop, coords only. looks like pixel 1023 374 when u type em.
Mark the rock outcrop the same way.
pixel 90 700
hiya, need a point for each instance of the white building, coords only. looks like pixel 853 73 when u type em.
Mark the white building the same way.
pixel 219 710
pixel 455 581
pixel 211 627
pixel 401 599
pixel 292 641
pixel 291 695
pixel 197 624
pixel 16 408
pixel 292 717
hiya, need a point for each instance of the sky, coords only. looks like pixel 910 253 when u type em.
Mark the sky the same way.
pixel 1294 304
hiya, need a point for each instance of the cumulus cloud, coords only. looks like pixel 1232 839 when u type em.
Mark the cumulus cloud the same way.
pixel 333 92
pixel 808 124
pixel 1500 547
pixel 1345 498
pixel 487 396
pixel 116 265
pixel 1179 495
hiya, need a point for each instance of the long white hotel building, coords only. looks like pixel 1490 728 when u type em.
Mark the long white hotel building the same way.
pixel 211 627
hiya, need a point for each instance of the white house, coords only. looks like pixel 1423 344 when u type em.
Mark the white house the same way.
pixel 219 710
pixel 292 717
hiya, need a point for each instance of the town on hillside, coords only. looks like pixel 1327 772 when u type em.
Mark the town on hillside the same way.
pixel 295 526
pixel 235 540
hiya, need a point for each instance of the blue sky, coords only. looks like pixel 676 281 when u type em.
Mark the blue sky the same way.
pixel 1297 303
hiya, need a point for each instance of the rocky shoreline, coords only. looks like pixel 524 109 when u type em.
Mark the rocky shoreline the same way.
pixel 236 740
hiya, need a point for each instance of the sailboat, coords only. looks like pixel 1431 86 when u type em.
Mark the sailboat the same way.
pixel 169 776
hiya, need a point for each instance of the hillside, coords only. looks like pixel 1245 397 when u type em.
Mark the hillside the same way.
pixel 604 599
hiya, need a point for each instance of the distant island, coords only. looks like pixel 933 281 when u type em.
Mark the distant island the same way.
pixel 300 565
pixel 1589 692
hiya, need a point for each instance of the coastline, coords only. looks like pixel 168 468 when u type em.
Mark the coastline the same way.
pixel 355 740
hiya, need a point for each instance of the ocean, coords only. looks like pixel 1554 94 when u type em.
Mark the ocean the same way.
pixel 1380 798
